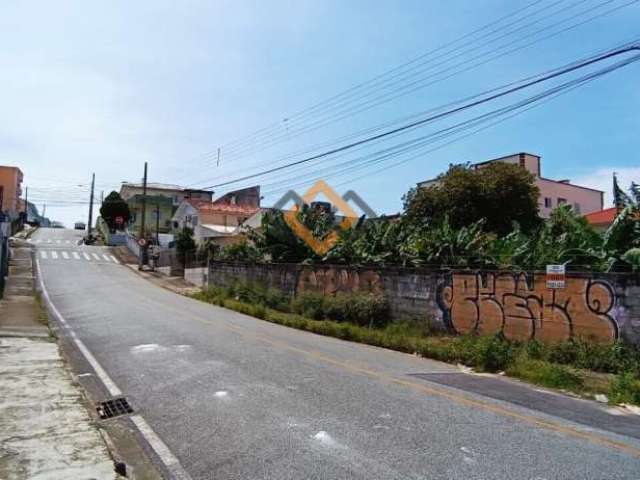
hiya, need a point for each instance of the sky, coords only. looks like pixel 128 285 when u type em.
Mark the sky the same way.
pixel 102 87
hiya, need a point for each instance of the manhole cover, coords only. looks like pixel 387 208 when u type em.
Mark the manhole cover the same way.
pixel 114 408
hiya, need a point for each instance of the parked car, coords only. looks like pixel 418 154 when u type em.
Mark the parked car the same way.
pixel 80 226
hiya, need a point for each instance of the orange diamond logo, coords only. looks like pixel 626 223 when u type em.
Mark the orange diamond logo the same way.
pixel 323 245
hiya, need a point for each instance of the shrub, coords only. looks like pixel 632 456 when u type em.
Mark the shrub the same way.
pixel 259 294
pixel 565 353
pixel 364 309
pixel 309 304
pixel 493 354
pixel 259 311
pixel 625 388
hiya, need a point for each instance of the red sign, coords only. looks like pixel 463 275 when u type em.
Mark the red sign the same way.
pixel 119 220
pixel 555 276
pixel 142 242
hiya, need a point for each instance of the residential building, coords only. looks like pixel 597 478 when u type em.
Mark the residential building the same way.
pixel 10 190
pixel 158 214
pixel 602 219
pixel 218 221
pixel 174 192
pixel 553 193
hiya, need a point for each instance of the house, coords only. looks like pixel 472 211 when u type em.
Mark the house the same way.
pixel 174 192
pixel 10 190
pixel 602 219
pixel 158 213
pixel 553 193
pixel 218 221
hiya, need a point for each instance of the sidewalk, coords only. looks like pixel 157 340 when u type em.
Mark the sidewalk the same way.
pixel 173 283
pixel 45 430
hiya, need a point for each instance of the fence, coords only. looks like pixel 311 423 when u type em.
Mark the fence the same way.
pixel 168 259
pixel 111 238
pixel 597 307
pixel 6 229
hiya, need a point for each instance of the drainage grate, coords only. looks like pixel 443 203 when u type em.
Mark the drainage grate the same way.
pixel 114 408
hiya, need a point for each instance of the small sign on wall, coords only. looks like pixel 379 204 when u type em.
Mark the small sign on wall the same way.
pixel 555 276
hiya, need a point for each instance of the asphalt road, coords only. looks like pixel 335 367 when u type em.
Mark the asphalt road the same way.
pixel 237 398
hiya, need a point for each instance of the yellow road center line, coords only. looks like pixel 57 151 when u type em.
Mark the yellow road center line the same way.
pixel 450 395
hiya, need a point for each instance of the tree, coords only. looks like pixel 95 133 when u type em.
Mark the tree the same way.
pixel 278 243
pixel 185 245
pixel 498 195
pixel 113 207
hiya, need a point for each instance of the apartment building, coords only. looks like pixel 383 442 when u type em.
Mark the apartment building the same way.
pixel 583 200
pixel 10 189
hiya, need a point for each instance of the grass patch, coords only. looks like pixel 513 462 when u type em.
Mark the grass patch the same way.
pixel 575 366
pixel 547 374
pixel 41 311
pixel 625 388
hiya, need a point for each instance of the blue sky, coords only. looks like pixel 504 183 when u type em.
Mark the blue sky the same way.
pixel 105 86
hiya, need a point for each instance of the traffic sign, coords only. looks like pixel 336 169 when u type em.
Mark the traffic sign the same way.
pixel 119 220
pixel 142 242
pixel 555 276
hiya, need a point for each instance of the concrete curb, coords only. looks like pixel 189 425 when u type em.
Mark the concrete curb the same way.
pixel 149 441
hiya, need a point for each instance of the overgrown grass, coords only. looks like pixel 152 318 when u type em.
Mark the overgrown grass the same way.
pixel 364 309
pixel 41 312
pixel 625 388
pixel 575 366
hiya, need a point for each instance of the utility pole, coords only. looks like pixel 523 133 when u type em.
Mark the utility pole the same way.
pixel 26 205
pixel 144 201
pixel 44 210
pixel 158 223
pixel 93 182
pixel 101 197
pixel 143 247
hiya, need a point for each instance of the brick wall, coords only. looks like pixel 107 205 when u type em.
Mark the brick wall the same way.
pixel 597 307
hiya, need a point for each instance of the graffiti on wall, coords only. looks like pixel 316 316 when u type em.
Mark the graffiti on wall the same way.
pixel 522 308
pixel 332 280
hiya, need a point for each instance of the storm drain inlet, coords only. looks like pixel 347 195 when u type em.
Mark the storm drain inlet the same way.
pixel 114 408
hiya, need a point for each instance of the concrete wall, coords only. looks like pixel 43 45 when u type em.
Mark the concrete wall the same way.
pixel 197 276
pixel 4 254
pixel 600 307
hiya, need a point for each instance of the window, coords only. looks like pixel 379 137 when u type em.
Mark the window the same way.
pixel 561 201
pixel 547 202
pixel 576 208
pixel 194 220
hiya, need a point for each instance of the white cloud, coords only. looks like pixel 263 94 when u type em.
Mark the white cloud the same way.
pixel 602 179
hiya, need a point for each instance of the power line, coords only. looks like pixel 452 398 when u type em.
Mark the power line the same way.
pixel 340 97
pixel 549 95
pixel 484 61
pixel 418 123
pixel 405 119
pixel 377 79
pixel 418 84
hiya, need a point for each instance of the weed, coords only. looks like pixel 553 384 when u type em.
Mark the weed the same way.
pixel 363 318
pixel 545 373
pixel 625 388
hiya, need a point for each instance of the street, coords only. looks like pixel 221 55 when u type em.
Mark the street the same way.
pixel 235 397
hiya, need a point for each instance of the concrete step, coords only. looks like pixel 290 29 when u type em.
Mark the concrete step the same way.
pixel 20 270
pixel 19 282
pixel 12 291
pixel 20 262
pixel 21 253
